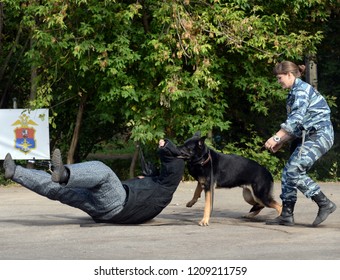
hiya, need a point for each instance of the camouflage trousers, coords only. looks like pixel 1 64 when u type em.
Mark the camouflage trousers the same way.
pixel 294 175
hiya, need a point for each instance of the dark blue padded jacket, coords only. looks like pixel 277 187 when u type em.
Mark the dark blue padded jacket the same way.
pixel 147 197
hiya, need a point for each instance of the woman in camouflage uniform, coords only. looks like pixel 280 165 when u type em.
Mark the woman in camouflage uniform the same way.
pixel 308 123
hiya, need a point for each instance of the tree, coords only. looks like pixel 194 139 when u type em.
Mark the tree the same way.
pixel 150 69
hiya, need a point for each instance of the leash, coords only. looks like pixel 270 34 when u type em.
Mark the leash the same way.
pixel 303 143
pixel 212 189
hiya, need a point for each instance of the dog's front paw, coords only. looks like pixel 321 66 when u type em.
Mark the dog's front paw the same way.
pixel 191 203
pixel 204 222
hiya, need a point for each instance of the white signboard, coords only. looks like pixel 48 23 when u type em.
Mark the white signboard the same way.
pixel 24 133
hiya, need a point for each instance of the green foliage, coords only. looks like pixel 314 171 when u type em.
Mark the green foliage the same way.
pixel 151 69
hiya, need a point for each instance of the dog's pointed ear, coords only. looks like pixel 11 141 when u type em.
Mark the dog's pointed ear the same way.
pixel 201 141
pixel 197 134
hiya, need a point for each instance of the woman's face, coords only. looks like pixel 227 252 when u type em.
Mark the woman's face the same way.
pixel 286 80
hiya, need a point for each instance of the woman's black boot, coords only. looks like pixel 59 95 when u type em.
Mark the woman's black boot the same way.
pixel 326 207
pixel 286 218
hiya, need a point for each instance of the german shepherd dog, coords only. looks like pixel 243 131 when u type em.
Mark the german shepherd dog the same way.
pixel 211 168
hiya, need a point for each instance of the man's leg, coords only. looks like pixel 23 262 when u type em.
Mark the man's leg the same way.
pixel 93 187
pixel 105 194
pixel 104 191
pixel 37 181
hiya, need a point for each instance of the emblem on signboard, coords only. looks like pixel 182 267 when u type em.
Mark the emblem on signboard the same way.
pixel 24 134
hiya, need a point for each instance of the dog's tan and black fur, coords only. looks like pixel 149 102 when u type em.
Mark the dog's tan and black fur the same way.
pixel 213 169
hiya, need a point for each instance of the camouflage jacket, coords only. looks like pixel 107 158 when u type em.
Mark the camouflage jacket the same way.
pixel 307 109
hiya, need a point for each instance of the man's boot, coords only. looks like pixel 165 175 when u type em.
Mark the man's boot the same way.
pixel 60 174
pixel 326 207
pixel 287 217
pixel 9 166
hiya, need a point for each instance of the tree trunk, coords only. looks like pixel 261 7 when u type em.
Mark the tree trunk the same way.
pixel 1 26
pixel 33 76
pixel 5 64
pixel 75 138
pixel 145 17
pixel 311 71
pixel 134 161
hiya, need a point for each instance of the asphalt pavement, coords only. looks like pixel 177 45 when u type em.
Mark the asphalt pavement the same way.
pixel 36 228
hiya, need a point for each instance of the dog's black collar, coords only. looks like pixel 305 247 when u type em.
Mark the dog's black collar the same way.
pixel 203 161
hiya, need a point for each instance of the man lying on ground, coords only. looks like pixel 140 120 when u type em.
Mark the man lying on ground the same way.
pixel 95 189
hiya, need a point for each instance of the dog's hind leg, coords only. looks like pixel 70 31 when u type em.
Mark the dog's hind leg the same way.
pixel 254 211
pixel 278 207
pixel 249 197
pixel 197 195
